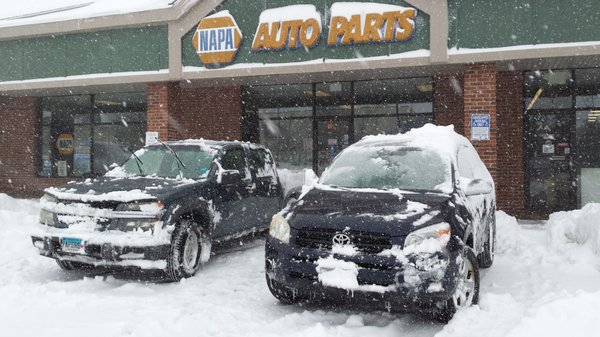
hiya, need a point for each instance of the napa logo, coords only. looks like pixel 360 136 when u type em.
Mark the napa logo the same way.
pixel 217 39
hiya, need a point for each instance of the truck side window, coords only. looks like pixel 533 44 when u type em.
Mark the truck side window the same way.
pixel 260 163
pixel 235 159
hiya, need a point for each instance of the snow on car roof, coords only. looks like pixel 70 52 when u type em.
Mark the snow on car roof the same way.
pixel 442 139
pixel 17 13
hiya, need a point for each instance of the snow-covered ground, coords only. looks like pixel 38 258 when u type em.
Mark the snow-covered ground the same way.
pixel 545 282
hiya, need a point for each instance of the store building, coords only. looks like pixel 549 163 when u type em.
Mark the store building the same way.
pixel 81 87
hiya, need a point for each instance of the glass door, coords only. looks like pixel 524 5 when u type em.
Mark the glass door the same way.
pixel 549 161
pixel 334 129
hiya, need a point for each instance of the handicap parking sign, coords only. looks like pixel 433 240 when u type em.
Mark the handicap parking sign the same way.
pixel 480 127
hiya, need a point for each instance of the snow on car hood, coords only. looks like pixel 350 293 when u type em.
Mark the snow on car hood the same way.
pixel 329 208
pixel 117 189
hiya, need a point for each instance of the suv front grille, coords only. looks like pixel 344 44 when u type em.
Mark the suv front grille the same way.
pixel 319 238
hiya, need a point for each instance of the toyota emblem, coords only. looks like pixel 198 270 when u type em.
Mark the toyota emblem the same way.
pixel 341 239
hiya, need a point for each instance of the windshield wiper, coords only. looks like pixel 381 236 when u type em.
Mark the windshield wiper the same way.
pixel 179 162
pixel 138 161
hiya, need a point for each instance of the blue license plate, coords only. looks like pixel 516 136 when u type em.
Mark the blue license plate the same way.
pixel 71 245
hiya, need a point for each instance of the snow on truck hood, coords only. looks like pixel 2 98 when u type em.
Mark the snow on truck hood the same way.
pixel 116 189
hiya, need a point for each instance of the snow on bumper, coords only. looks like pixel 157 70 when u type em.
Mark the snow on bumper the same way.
pixel 140 249
pixel 417 279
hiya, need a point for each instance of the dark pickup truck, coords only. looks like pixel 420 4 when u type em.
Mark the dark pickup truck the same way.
pixel 161 209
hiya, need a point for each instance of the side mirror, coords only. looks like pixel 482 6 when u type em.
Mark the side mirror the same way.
pixel 229 178
pixel 478 187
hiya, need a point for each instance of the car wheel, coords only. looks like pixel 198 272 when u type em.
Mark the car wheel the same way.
pixel 467 287
pixel 486 258
pixel 284 294
pixel 184 258
pixel 71 265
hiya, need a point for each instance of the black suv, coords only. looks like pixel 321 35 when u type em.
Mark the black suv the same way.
pixel 401 221
pixel 162 208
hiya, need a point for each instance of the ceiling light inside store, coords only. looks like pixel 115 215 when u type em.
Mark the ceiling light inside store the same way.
pixel 557 78
pixel 105 102
pixel 593 116
pixel 426 87
pixel 321 93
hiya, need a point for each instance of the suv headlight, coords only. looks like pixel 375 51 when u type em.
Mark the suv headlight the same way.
pixel 280 228
pixel 47 218
pixel 440 232
pixel 129 225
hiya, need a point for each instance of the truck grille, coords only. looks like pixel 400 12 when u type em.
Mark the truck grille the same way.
pixel 319 238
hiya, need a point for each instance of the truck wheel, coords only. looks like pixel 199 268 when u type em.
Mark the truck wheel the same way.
pixel 467 288
pixel 184 258
pixel 486 258
pixel 284 294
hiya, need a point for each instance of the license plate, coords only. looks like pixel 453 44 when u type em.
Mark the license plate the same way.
pixel 71 245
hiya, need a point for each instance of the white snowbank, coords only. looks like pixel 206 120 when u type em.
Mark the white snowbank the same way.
pixel 532 289
pixel 577 232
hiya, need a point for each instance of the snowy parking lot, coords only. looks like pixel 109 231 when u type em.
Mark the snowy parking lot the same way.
pixel 545 281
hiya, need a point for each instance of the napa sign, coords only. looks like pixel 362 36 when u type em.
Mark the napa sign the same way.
pixel 218 37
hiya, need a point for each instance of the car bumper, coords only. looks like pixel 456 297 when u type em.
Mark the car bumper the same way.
pixel 384 281
pixel 105 252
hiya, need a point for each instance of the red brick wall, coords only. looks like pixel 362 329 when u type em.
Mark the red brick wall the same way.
pixel 19 149
pixel 480 97
pixel 181 113
pixel 511 175
pixel 448 101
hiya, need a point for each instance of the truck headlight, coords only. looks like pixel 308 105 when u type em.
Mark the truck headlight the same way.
pixel 48 198
pixel 145 207
pixel 440 232
pixel 280 228
pixel 47 218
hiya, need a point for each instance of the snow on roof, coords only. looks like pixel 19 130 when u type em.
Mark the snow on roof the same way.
pixel 442 139
pixel 17 13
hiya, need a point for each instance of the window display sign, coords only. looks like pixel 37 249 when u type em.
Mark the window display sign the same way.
pixel 480 127
pixel 61 167
pixel 151 137
pixel 64 144
pixel 217 39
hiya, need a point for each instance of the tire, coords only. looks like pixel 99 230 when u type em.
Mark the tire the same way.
pixel 284 294
pixel 71 265
pixel 486 258
pixel 184 258
pixel 467 289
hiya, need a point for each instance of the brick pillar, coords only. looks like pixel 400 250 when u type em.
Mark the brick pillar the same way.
pixel 448 101
pixel 480 98
pixel 182 113
pixel 18 136
pixel 159 97
pixel 510 184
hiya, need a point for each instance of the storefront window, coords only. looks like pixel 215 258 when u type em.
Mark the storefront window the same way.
pixel 587 158
pixel 83 135
pixel 284 121
pixel 307 125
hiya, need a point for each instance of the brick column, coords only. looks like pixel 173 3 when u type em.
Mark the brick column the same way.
pixel 510 184
pixel 448 101
pixel 480 98
pixel 159 97
pixel 182 113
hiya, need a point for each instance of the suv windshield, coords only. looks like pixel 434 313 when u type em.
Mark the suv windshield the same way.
pixel 159 161
pixel 389 167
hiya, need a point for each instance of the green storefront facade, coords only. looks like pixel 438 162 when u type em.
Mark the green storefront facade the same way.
pixel 308 78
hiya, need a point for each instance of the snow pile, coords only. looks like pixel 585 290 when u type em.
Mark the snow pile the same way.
pixel 577 232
